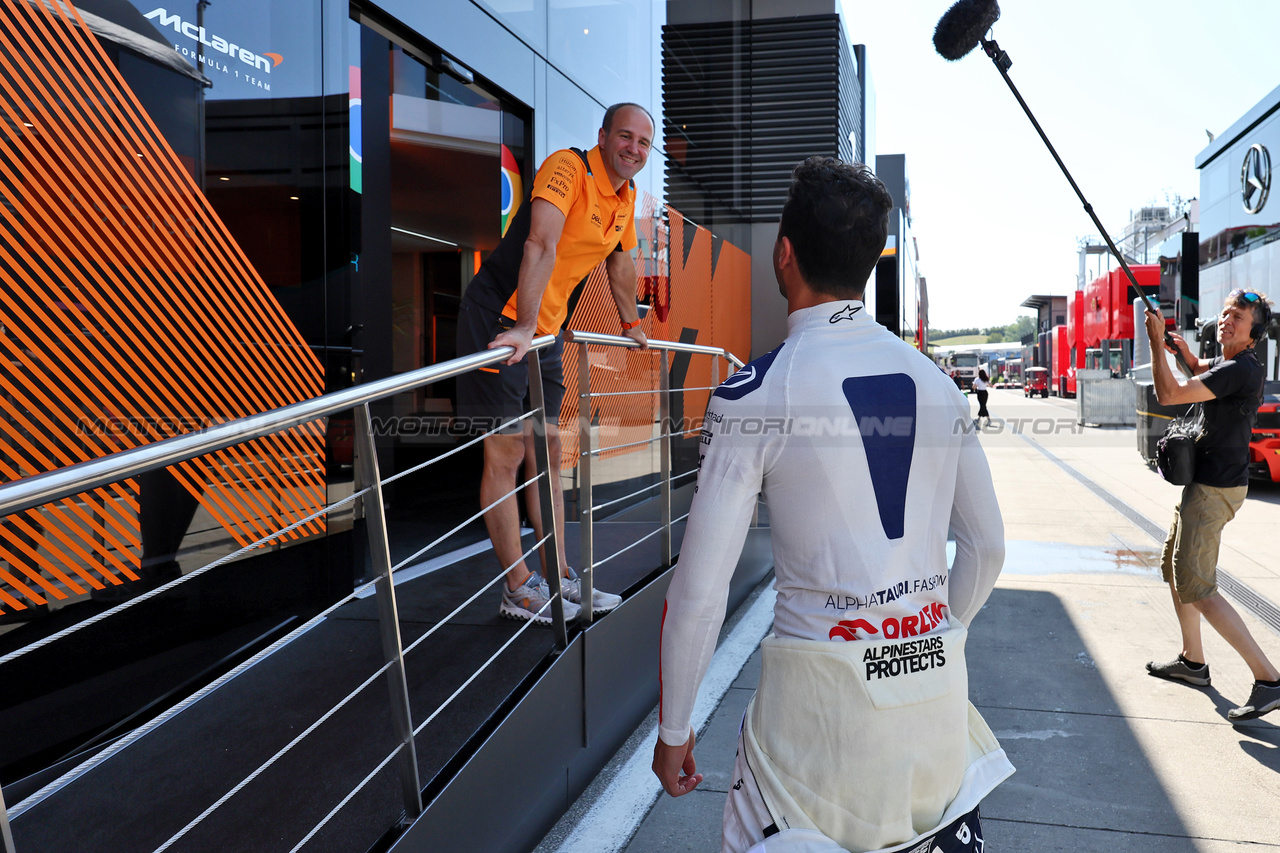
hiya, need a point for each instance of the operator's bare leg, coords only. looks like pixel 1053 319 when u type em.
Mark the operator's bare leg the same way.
pixel 502 456
pixel 533 501
pixel 1189 623
pixel 1227 622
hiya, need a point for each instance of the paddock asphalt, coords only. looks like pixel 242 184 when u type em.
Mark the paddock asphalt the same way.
pixel 1108 758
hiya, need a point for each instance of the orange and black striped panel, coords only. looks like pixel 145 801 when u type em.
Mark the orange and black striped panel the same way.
pixel 705 291
pixel 128 314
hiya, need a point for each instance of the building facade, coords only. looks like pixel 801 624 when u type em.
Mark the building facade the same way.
pixel 750 88
pixel 1239 221
pixel 216 209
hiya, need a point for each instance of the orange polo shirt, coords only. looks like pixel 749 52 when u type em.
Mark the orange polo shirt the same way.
pixel 596 221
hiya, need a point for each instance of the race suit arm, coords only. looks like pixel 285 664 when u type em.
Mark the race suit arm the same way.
pixel 979 533
pixel 729 479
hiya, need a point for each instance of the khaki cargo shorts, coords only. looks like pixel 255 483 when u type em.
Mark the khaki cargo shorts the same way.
pixel 1190 554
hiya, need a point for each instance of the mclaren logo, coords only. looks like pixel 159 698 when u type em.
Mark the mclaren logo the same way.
pixel 1255 178
pixel 845 313
pixel 262 62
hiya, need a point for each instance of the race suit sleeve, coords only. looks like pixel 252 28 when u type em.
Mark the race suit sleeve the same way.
pixel 729 479
pixel 979 533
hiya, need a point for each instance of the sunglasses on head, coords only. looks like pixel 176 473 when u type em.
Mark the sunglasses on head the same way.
pixel 1247 295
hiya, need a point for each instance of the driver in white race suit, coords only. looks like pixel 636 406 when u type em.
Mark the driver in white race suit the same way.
pixel 860 736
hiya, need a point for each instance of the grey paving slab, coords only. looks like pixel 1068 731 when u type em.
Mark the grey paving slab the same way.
pixel 749 677
pixel 688 824
pixel 718 745
pixel 1024 837
pixel 1078 769
pixel 1108 758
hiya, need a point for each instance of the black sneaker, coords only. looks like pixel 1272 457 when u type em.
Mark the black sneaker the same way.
pixel 1263 698
pixel 1181 669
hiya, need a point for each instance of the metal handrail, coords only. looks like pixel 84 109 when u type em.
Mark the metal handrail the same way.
pixel 73 480
pixel 648 391
pixel 45 488
pixel 572 336
pixel 598 450
pixel 586 452
pixel 76 479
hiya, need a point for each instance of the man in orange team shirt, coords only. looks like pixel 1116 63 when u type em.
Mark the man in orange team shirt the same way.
pixel 582 212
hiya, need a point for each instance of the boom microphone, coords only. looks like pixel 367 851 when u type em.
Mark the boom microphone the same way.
pixel 963 27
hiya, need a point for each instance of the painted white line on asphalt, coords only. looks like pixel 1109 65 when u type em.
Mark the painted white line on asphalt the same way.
pixel 611 822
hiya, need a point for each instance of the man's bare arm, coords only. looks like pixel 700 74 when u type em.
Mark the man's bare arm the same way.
pixel 1170 391
pixel 622 284
pixel 546 225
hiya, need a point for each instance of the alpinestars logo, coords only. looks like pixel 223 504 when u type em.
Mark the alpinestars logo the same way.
pixel 845 313
pixel 262 62
pixel 904 658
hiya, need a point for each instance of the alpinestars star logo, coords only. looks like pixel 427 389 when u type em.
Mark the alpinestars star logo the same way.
pixel 845 313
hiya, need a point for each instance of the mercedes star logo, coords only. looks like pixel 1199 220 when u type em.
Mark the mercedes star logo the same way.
pixel 1255 178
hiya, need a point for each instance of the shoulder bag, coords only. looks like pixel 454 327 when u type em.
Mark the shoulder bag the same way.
pixel 1176 450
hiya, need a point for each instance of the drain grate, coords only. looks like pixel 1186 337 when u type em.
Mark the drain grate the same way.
pixel 1244 595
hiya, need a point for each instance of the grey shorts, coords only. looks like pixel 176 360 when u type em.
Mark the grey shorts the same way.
pixel 492 396
pixel 1190 554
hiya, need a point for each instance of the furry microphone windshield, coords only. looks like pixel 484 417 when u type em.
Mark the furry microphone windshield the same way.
pixel 964 25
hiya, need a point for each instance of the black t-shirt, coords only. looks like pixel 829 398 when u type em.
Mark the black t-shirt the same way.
pixel 1222 454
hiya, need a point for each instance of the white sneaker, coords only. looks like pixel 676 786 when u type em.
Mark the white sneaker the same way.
pixel 601 601
pixel 531 601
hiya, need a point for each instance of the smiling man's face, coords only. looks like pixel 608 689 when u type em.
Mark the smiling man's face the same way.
pixel 625 147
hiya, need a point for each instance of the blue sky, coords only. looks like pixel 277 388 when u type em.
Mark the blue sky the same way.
pixel 1125 91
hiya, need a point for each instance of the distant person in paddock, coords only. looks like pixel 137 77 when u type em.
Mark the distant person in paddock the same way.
pixel 982 387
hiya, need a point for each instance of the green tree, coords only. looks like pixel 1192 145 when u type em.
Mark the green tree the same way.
pixel 1020 328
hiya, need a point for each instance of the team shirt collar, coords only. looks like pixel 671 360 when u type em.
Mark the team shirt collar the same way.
pixel 596 162
pixel 828 315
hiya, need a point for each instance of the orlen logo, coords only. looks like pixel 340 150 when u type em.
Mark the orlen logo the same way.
pixel 264 62
pixel 929 617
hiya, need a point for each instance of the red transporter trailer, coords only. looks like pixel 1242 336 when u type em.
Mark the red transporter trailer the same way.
pixel 1075 338
pixel 1108 305
pixel 1059 362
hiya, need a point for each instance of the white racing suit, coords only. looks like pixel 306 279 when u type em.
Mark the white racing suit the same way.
pixel 860 736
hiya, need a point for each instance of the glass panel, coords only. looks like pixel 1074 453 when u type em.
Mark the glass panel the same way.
pixel 185 181
pixel 526 18
pixel 604 45
pixel 573 120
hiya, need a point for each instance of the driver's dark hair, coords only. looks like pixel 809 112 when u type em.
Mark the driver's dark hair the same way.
pixel 607 124
pixel 837 219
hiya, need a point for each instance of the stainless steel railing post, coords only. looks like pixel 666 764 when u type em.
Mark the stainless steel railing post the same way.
pixel 550 528
pixel 664 451
pixel 586 500
pixel 388 618
pixel 6 835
